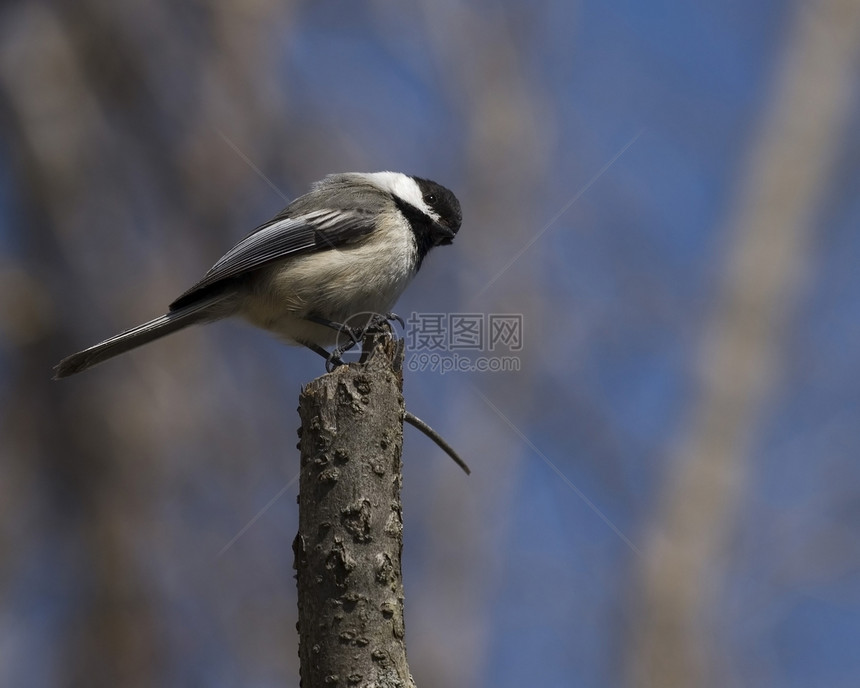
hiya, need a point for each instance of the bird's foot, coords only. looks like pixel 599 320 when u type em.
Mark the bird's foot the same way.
pixel 334 359
pixel 393 316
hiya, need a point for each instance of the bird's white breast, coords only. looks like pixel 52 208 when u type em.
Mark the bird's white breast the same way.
pixel 335 284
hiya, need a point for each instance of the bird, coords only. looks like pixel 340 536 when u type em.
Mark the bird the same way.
pixel 351 245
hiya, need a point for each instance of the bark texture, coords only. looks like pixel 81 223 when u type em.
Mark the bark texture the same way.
pixel 347 551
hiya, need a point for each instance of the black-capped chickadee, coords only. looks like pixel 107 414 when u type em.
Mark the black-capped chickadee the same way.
pixel 351 245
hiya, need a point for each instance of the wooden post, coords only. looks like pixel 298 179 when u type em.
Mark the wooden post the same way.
pixel 347 550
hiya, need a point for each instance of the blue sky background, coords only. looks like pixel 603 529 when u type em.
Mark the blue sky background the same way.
pixel 516 575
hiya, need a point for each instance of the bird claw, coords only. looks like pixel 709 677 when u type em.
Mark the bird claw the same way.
pixel 334 360
pixel 393 316
pixel 379 320
pixel 355 334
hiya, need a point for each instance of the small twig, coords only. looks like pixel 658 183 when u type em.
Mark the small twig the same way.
pixel 416 422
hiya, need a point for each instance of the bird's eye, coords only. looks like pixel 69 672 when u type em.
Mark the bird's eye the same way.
pixel 430 198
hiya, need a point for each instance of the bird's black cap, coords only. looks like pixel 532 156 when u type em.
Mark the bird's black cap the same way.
pixel 443 202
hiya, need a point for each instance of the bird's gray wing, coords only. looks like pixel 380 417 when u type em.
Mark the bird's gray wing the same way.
pixel 284 236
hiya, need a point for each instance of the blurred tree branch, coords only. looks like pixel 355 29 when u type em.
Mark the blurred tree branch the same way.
pixel 673 642
pixel 105 135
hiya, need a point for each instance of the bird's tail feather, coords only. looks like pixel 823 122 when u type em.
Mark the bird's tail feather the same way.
pixel 213 308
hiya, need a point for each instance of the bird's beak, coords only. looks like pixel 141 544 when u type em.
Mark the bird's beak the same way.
pixel 442 235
